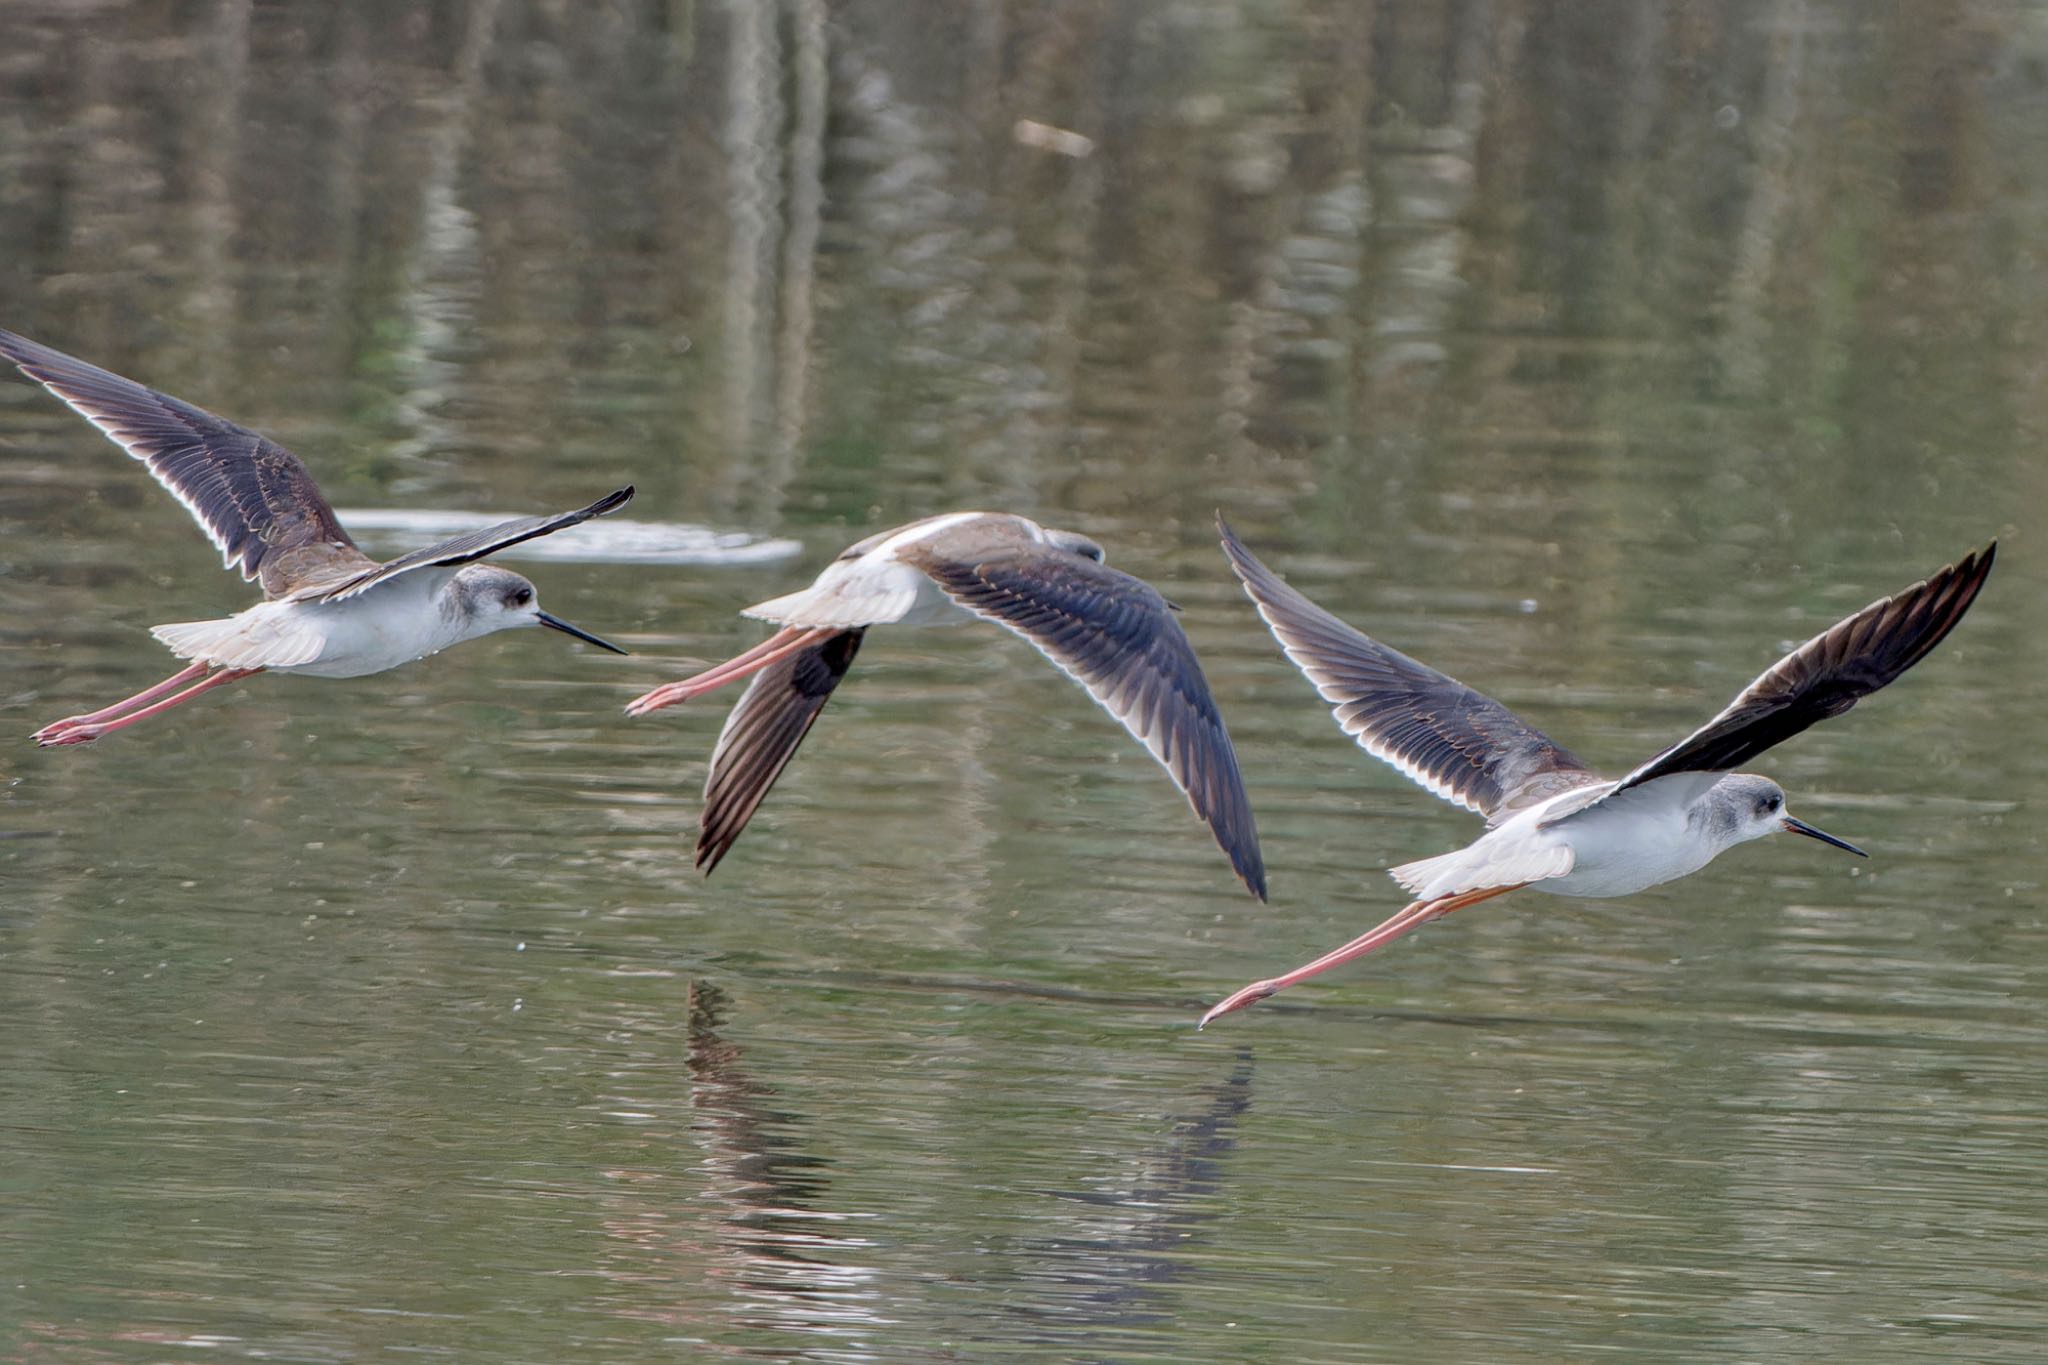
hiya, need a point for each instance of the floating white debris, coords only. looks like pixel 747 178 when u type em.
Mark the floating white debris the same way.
pixel 1029 132
pixel 610 540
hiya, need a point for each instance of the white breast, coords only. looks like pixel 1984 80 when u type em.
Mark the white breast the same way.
pixel 397 621
pixel 1631 841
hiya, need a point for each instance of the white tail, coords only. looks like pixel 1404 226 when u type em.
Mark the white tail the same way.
pixel 1479 866
pixel 845 597
pixel 254 639
pixel 1418 874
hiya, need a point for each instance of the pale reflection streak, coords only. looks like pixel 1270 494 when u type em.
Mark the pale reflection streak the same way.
pixel 768 311
pixel 1293 332
pixel 108 209
pixel 443 272
pixel 951 287
pixel 799 253
pixel 1430 182
pixel 788 1264
pixel 1045 424
pixel 753 152
pixel 1745 364
pixel 937 289
pixel 209 303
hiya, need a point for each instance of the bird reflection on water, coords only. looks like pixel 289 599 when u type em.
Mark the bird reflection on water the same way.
pixel 786 1259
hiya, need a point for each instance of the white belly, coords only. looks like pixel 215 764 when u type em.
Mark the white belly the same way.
pixel 392 624
pixel 1623 846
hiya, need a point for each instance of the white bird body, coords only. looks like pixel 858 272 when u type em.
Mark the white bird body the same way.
pixel 1594 842
pixel 394 622
pixel 1554 824
pixel 1619 847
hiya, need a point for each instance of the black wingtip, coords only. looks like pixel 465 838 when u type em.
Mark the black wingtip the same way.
pixel 1964 580
pixel 1974 576
pixel 1239 839
pixel 1258 581
pixel 1234 549
pixel 611 502
pixel 20 349
pixel 53 369
pixel 45 365
pixel 1972 567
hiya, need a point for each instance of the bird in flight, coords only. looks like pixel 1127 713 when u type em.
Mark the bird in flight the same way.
pixel 1111 633
pixel 328 609
pixel 1553 823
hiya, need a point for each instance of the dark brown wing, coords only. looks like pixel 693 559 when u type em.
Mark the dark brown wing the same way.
pixel 761 736
pixel 1459 744
pixel 251 496
pixel 1116 636
pixel 1829 673
pixel 472 545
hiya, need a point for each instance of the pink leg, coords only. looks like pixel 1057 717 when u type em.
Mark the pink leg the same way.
pixel 1411 916
pixel 148 694
pixel 86 732
pixel 780 645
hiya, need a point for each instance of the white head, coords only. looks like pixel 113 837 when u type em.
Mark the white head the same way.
pixel 487 599
pixel 1749 807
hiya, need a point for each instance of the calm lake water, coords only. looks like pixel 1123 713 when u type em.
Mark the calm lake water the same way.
pixel 1592 352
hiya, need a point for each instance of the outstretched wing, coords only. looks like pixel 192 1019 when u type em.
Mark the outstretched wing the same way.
pixel 469 546
pixel 1828 674
pixel 1458 744
pixel 761 735
pixel 1116 636
pixel 251 496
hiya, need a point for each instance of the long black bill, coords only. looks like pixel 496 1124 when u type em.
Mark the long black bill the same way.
pixel 557 623
pixel 1801 827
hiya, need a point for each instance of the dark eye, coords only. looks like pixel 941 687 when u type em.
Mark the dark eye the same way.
pixel 1767 805
pixel 520 596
